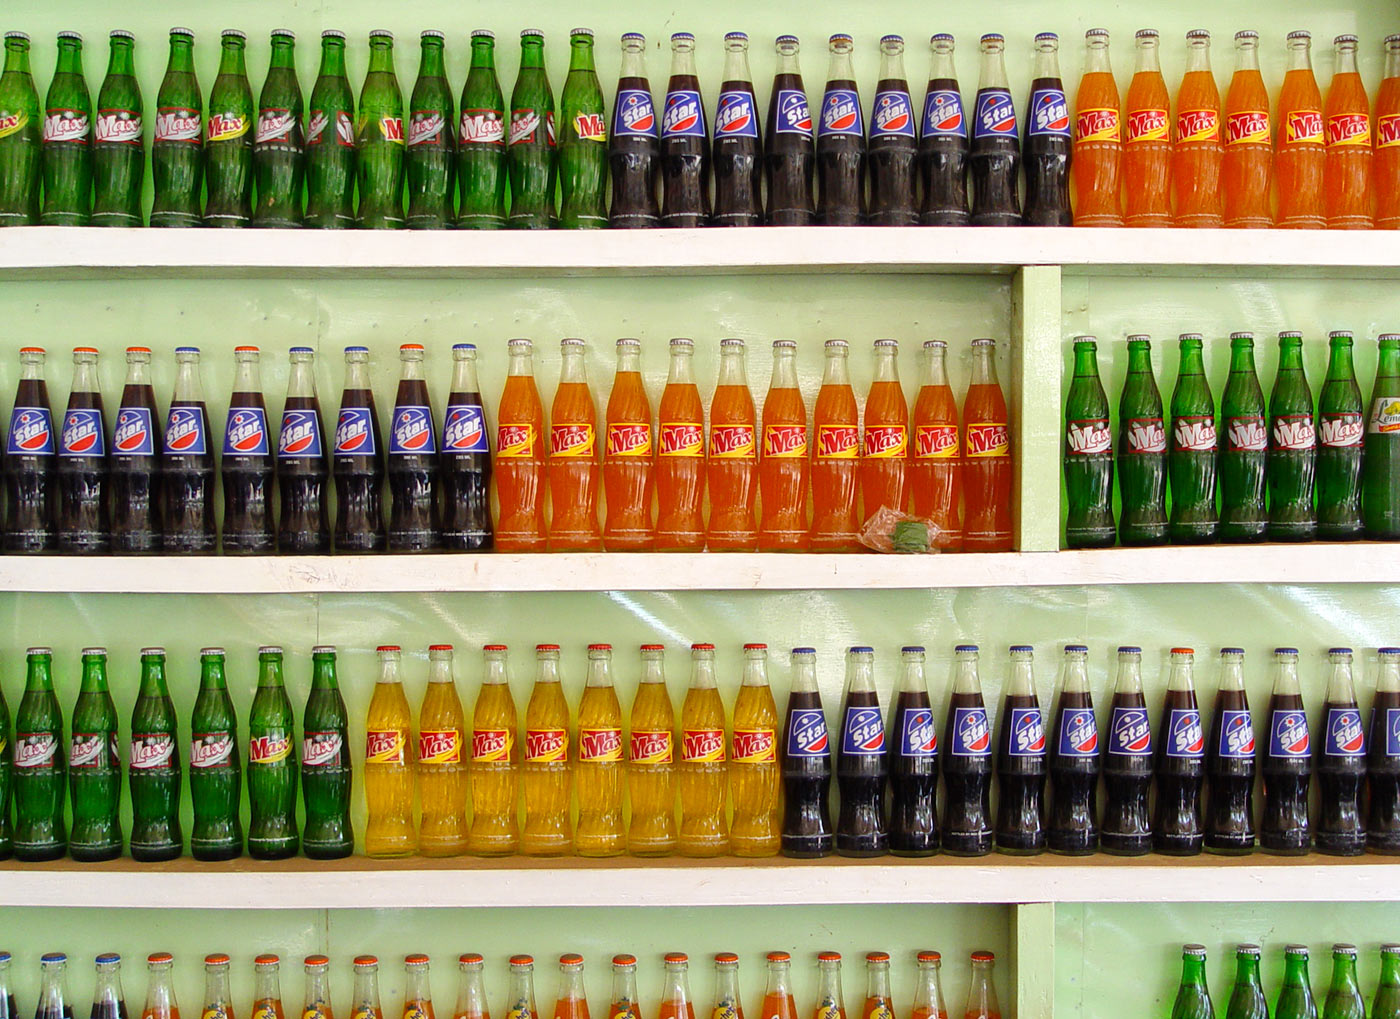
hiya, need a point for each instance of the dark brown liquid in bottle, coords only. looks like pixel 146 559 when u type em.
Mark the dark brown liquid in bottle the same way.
pixel 685 170
pixel 892 168
pixel 635 162
pixel 788 161
pixel 738 168
pixel 135 480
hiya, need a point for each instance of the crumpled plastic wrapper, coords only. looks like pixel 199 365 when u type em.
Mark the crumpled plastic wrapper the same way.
pixel 889 530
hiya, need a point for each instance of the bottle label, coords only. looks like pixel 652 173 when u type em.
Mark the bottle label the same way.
pixel 1288 734
pixel 427 127
pixel 546 746
pixel 1048 115
pixel 972 733
pixel 1079 733
pixel 319 749
pixel 391 130
pixel 879 1009
pixel 1236 735
pixel 754 746
pixel 1351 129
pixel 481 127
pixel 1246 434
pixel 684 438
pixel 794 116
pixel 1194 433
pixel 943 115
pixel 683 116
pixel 634 116
pixel 784 442
pixel 1129 732
pixel 412 431
pixel 35 749
pixel 269 748
pixel 1388 131
pixel 1097 126
pixel 92 749
pixel 726 1009
pixel 134 433
pixel 650 746
pixel 996 115
pixel 524 125
pixel 82 433
pixel 893 115
pixel 385 746
pixel 66 126
pixel 1392 732
pixel 492 745
pixel 629 439
pixel 1084 438
pixel 515 441
pixel 12 122
pixel 118 127
pixel 320 120
pixel 264 1010
pixel 1346 737
pixel 1294 431
pixel 1027 733
pixel 807 735
pixel 1197 126
pixel 590 127
pixel 572 440
pixel 1303 127
pixel 732 442
pixel 988 438
pixel 31 432
pixel 1185 736
pixel 152 750
pixel 1146 435
pixel 301 435
pixel 314 1012
pixel 838 442
pixel 440 746
pixel 1147 126
pixel 211 750
pixel 1248 128
pixel 1337 431
pixel 840 113
pixel 214 1012
pixel 464 429
pixel 735 116
pixel 184 432
pixel 225 127
pixel 702 746
pixel 917 735
pixel 600 745
pixel 885 442
pixel 274 125
pixel 1385 417
pixel 177 124
pixel 361 1012
pixel 827 1009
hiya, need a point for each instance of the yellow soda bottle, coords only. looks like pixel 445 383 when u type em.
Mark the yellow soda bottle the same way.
pixel 389 763
pixel 704 778
pixel 546 772
pixel 442 774
pixel 755 780
pixel 598 774
pixel 650 773
pixel 494 779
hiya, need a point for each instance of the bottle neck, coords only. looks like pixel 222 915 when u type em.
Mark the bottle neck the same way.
pixel 682 60
pixel 992 70
pixel 85 376
pixel 231 60
pixel 624 991
pixel 39 675
pixel 1339 686
pixel 1389 364
pixel 1182 679
pixel 839 67
pixel 886 364
pixel 629 359
pixel 1346 59
pixel 860 674
pixel 913 680
pixel 522 362
pixel 829 994
pixel 1300 55
pixel 389 670
pixel 317 997
pixel 270 673
pixel 1242 356
pixel 471 994
pixel 778 980
pixel 51 991
pixel 216 992
pixel 1388 680
pixel 1390 968
pixel 440 668
pixel 107 989
pixel 1129 676
pixel 736 64
pixel 1344 972
pixel 702 674
pixel 784 368
pixel 682 370
pixel 1191 361
pixel 928 992
pixel 1197 55
pixel 1076 674
pixel 1147 57
pixel 573 368
pixel 94 675
pixel 788 62
pixel 731 367
pixel 653 669
pixel 1295 972
pixel 138 371
pixel 332 57
pixel 153 677
pixel 357 371
pixel 211 674
pixel 483 54
pixel 1022 676
pixel 70 57
pixel 936 367
pixel 877 981
pixel 248 376
pixel 1290 355
pixel 892 64
pixel 581 53
pixel 495 670
pixel 984 369
pixel 323 673
pixel 756 669
pixel 634 61
pixel 367 990
pixel 283 54
pixel 676 990
pixel 301 382
pixel 181 55
pixel 1247 55
pixel 416 988
pixel 1286 678
pixel 1339 362
pixel 464 375
pixel 1193 971
pixel 600 671
pixel 430 58
pixel 1096 57
pixel 187 387
pixel 804 674
pixel 381 56
pixel 1086 361
pixel 160 998
pixel 547 670
pixel 16 56
pixel 726 991
pixel 965 679
pixel 1231 674
pixel 522 991
pixel 532 54
pixel 1047 62
pixel 1247 970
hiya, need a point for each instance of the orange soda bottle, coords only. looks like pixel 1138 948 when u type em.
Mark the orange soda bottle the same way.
pixel 1249 157
pixel 928 991
pixel 733 465
pixel 417 991
pixel 1147 144
pixel 728 1003
pixel 160 992
pixel 878 1004
pixel 267 992
pixel 573 456
pixel 316 1001
pixel 1348 116
pixel 1299 153
pixel 1098 138
pixel 624 989
pixel 981 993
pixel 218 1003
pixel 987 457
pixel 364 1004
pixel 572 1001
pixel 389 763
pixel 1196 154
pixel 520 464
pixel 935 470
pixel 782 472
pixel 778 1002
pixel 1386 171
pixel 680 460
pixel 522 988
pixel 495 759
pixel 442 773
pixel 627 461
pixel 675 991
pixel 545 775
pixel 471 992
pixel 598 775
pixel 835 456
pixel 831 1003
pixel 703 777
pixel 885 448
pixel 651 786
pixel 755 779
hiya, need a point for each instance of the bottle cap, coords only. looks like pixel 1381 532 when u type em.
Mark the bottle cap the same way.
pixel 174 31
pixel 138 350
pixel 1247 948
pixel 246 349
pixel 522 960
pixel 839 37
pixel 1231 651
pixel 804 651
pixel 1046 36
pixel 1388 651
pixel 187 350
pixel 233 33
pixel 653 647
pixel 1340 334
pixel 1198 33
pixel 984 341
pixel 676 958
pixel 68 33
pixel 284 32
pixel 682 37
pixel 1082 649
pixel 1139 338
pixel 387 647
pixel 39 651
pixel 1198 337
pixel 1242 336
pixel 25 35
pixel 736 36
pixel 1146 33
pixel 930 956
pixel 941 37
pixel 1298 33
pixel 1199 951
pixel 877 957
pixel 886 343
pixel 432 33
pixel 84 350
pixel 1247 33
pixel 572 341
pixel 624 960
pixel 1096 33
pixel 629 341
pixel 316 960
pixel 1291 334
pixel 546 648
pixel 600 647
pixel 993 37
pixel 1085 339
pixel 585 32
pixel 1301 950
pixel 266 960
pixel 1286 651
pixel 784 344
pixel 154 652
pixel 634 37
pixel 1344 39
pixel 470 959
pixel 786 40
pixel 52 958
pixel 1390 40
pixel 410 346
pixel 333 33
pixel 1339 650
pixel 495 647
pixel 912 649
pixel 1021 649
pixel 160 959
pixel 417 959
pixel 732 342
pixel 702 647
pixel 861 649
pixel 1183 651
pixel 270 649
pixel 300 350
pixel 935 344
pixel 779 957
pixel 211 652
pixel 464 346
pixel 1388 337
pixel 366 961
pixel 323 649
pixel 887 39
pixel 532 33
pixel 1129 649
pixel 483 33
pixel 105 959
pixel 726 959
pixel 381 33
pixel 836 345
pixel 983 957
pixel 828 957
pixel 682 342
pixel 32 350
pixel 1390 948
pixel 965 649
pixel 1343 949
pixel 759 647
pixel 439 647
pixel 94 651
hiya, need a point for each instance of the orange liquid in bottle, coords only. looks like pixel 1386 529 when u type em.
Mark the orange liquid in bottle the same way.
pixel 936 468
pixel 1299 152
pixel 1348 171
pixel 885 449
pixel 877 1008
pixel 263 1008
pixel 1386 171
pixel 174 1013
pixel 680 457
pixel 417 1008
pixel 571 1008
pixel 519 465
pixel 1196 154
pixel 1248 159
pixel 573 458
pixel 733 463
pixel 782 472
pixel 1147 147
pixel 627 464
pixel 671 1010
pixel 835 458
pixel 779 1006
pixel 1095 171
pixel 987 464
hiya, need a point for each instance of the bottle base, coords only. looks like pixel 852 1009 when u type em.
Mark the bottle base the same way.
pixel 965 845
pixel 179 546
pixel 294 545
pixel 1384 845
pixel 481 222
pixel 599 850
pixel 914 854
pixel 63 219
pixel 215 853
pixel 116 219
pixel 1177 847
pixel 1349 845
pixel 1290 848
pixel 87 543
pixel 257 544
pixel 41 853
pixel 273 850
pixel 995 219
pixel 903 217
pixel 628 541
pixel 441 850
pixel 177 220
pixel 1225 846
pixel 225 221
pixel 1095 538
pixel 95 854
pixel 130 544
pixel 634 222
pixel 155 854
pixel 331 851
pixel 651 849
pixel 791 217
pixel 731 542
pixel 1339 532
pixel 467 541
pixel 1069 848
pixel 1098 221
pixel 702 850
pixel 1194 534
pixel 1136 845
pixel 275 223
pixel 29 542
pixel 807 847
pixel 680 541
pixel 575 541
pixel 1243 534
pixel 414 543
pixel 1143 539
pixel 1017 848
pixel 1292 532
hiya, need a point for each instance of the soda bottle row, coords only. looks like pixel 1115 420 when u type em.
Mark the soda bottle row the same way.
pixel 1295 997
pixel 571 1002
pixel 1292 469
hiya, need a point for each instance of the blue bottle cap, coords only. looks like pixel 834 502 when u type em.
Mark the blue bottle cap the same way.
pixel 1339 650
pixel 1285 650
pixel 804 650
pixel 1021 647
pixel 1077 647
pixel 912 649
pixel 1129 649
pixel 861 649
pixel 965 647
pixel 1232 651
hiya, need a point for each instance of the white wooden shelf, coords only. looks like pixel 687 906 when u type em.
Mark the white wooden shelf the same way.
pixel 84 253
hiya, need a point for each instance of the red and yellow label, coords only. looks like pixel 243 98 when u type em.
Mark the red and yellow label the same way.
pixel 732 442
pixel 988 438
pixel 702 746
pixel 1250 127
pixel 935 442
pixel 385 746
pixel 1197 126
pixel 1303 127
pixel 440 746
pixel 546 746
pixel 784 442
pixel 492 745
pixel 222 127
pixel 650 746
pixel 682 438
pixel 885 442
pixel 600 745
pixel 1147 126
pixel 571 440
pixel 1096 126
pixel 515 441
pixel 1350 129
pixel 629 439
pixel 878 1008
pixel 838 442
pixel 755 746
pixel 269 749
pixel 217 1012
pixel 1387 131
pixel 12 122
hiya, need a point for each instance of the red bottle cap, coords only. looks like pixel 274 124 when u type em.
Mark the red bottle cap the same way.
pixel 928 956
pixel 411 346
pixel 983 957
pixel 85 350
pixel 828 957
pixel 600 647
pixel 138 350
pixel 32 350
pixel 266 960
pixel 522 960
pixel 546 647
pixel 571 959
pixel 387 647
pixel 494 647
pixel 624 960
pixel 1183 651
pixel 653 647
pixel 755 647
pixel 779 957
pixel 877 956
pixel 157 958
pixel 317 960
pixel 417 959
pixel 439 647
pixel 365 961
pixel 470 959
pixel 217 959
pixel 677 958
pixel 702 647
pixel 246 349
pixel 726 959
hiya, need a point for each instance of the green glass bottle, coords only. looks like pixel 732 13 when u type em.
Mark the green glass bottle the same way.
pixel 379 141
pixel 154 766
pixel 530 152
pixel 119 140
pixel 1194 519
pixel 1244 450
pixel 177 151
pixel 481 141
pixel 1341 427
pixel 216 777
pixel 279 147
pixel 21 136
pixel 1380 474
pixel 95 766
pixel 583 139
pixel 1142 451
pixel 1292 446
pixel 272 764
pixel 228 138
pixel 1295 997
pixel 1343 999
pixel 1386 1004
pixel 7 843
pixel 67 142
pixel 1247 999
pixel 431 154
pixel 1088 454
pixel 325 764
pixel 40 765
pixel 1192 996
pixel 330 141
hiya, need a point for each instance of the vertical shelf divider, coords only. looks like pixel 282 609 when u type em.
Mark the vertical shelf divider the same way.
pixel 1035 392
pixel 1033 960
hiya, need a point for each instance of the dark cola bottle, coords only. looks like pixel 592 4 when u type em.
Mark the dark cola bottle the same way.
pixel 1127 767
pixel 1021 761
pixel 466 460
pixel 1383 765
pixel 1287 768
pixel 1341 764
pixel 1178 828
pixel 685 147
pixel 840 142
pixel 29 461
pixel 187 463
pixel 135 462
pixel 913 763
pixel 860 762
pixel 83 521
pixel 414 521
pixel 994 160
pixel 1047 145
pixel 247 462
pixel 302 525
pixel 635 151
pixel 357 462
pixel 943 142
pixel 967 762
pixel 806 763
pixel 1074 762
pixel 893 147
pixel 789 153
pixel 108 1001
pixel 1230 762
pixel 738 150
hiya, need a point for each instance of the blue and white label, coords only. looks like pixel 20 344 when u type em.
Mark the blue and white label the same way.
pixel 1027 733
pixel 736 117
pixel 1288 734
pixel 464 429
pixel 31 432
pixel 807 735
pixel 943 115
pixel 1236 735
pixel 683 116
pixel 1048 113
pixel 185 430
pixel 972 733
pixel 1129 732
pixel 634 115
pixel 134 434
pixel 245 433
pixel 1392 732
pixel 83 434
pixel 1079 733
pixel 893 115
pixel 864 732
pixel 301 435
pixel 411 432
pixel 1185 736
pixel 917 737
pixel 840 113
pixel 354 432
pixel 996 115
pixel 1345 735
pixel 794 116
